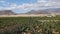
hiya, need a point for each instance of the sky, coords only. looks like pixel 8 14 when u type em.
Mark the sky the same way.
pixel 23 6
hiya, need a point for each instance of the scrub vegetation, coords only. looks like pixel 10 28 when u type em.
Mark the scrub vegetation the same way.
pixel 29 25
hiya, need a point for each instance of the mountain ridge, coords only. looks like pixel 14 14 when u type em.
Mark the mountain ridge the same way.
pixel 45 11
pixel 6 12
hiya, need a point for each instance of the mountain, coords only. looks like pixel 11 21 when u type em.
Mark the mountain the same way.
pixel 6 12
pixel 38 12
pixel 45 11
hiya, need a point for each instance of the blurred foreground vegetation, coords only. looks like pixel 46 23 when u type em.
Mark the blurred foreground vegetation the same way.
pixel 29 25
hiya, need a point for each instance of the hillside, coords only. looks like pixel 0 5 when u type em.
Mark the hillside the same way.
pixel 6 12
pixel 45 11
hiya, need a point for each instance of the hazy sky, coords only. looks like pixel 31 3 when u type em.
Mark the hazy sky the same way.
pixel 22 6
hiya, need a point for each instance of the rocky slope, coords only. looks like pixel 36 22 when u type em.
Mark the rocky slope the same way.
pixel 6 12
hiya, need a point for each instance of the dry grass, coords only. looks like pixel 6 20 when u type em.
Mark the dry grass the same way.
pixel 23 15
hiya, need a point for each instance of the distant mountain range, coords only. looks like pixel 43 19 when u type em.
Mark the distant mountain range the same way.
pixel 45 11
pixel 6 12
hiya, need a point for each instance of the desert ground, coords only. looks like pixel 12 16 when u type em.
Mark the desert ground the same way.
pixel 26 15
